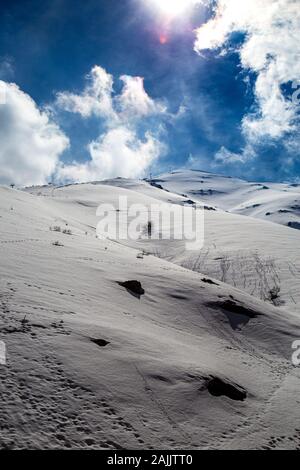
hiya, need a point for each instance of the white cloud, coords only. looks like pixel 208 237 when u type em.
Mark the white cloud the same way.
pixel 134 102
pixel 96 98
pixel 30 143
pixel 271 49
pixel 118 153
pixel 122 150
pixel 225 156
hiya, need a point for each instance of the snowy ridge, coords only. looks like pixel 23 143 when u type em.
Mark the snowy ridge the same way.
pixel 275 202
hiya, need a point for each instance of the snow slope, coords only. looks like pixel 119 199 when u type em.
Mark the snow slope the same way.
pixel 191 364
pixel 275 202
pixel 254 255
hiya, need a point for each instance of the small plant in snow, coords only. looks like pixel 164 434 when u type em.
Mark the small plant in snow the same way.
pixel 56 228
pixel 67 231
pixel 57 243
pixel 225 264
pixel 274 295
pixel 25 323
pixel 148 229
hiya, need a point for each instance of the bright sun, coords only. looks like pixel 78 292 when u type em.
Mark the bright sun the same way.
pixel 174 7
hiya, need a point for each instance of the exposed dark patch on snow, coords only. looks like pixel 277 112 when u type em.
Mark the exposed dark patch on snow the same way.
pixel 12 329
pixel 218 388
pixel 133 287
pixel 161 378
pixel 203 192
pixel 189 202
pixel 209 281
pixel 86 204
pixel 100 342
pixel 295 225
pixel 237 314
pixel 155 184
pixel 234 307
pixel 38 325
pixel 179 296
pixel 155 180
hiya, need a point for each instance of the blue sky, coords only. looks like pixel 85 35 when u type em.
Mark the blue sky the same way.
pixel 204 95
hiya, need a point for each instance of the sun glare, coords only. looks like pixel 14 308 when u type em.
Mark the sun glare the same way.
pixel 173 7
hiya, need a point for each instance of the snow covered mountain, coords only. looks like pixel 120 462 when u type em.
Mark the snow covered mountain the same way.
pixel 194 354
pixel 276 202
pixel 255 255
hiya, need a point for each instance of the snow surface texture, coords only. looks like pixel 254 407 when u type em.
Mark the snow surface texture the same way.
pixel 274 202
pixel 251 254
pixel 108 348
